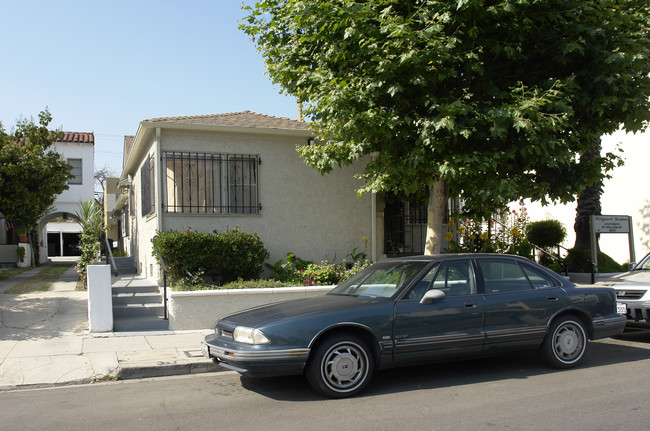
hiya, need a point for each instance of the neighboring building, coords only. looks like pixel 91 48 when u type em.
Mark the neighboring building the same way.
pixel 60 239
pixel 219 172
pixel 78 149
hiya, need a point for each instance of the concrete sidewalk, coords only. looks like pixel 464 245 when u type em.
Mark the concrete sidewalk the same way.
pixel 44 340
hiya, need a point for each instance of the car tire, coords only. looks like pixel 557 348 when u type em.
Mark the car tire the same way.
pixel 341 366
pixel 565 344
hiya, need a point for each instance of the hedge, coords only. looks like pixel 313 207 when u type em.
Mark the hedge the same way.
pixel 222 257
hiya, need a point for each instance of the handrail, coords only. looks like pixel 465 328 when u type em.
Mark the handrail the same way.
pixel 591 264
pixel 565 267
pixel 109 257
pixel 164 268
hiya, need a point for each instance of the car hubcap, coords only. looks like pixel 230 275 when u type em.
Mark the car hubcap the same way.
pixel 344 367
pixel 569 342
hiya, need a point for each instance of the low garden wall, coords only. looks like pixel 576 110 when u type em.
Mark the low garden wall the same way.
pixel 8 254
pixel 200 309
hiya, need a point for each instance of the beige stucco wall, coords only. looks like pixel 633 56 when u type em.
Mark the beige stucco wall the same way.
pixel 314 216
pixel 200 309
pixel 143 228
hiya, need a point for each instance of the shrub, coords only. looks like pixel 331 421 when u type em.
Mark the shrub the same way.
pixel 503 234
pixel 222 257
pixel 578 261
pixel 322 273
pixel 20 251
pixel 290 270
pixel 546 233
pixel 242 255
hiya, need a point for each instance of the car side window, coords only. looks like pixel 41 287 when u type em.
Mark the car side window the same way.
pixel 538 279
pixel 422 286
pixel 503 276
pixel 455 278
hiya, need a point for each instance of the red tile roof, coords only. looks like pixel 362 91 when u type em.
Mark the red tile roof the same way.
pixel 78 137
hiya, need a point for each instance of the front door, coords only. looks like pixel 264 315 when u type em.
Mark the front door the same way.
pixel 445 328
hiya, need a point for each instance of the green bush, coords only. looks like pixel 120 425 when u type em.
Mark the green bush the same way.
pixel 545 233
pixel 578 261
pixel 242 255
pixel 290 270
pixel 306 273
pixel 221 257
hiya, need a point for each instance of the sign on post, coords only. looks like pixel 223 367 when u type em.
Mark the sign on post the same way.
pixel 610 224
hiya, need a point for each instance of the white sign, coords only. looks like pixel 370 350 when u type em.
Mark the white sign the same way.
pixel 611 224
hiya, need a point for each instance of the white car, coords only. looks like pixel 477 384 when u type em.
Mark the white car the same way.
pixel 633 293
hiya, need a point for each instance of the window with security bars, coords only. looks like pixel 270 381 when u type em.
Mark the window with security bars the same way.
pixel 147 176
pixel 210 183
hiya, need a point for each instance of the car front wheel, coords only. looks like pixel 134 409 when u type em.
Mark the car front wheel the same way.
pixel 566 343
pixel 341 366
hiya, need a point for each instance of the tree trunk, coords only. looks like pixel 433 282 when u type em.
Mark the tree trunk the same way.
pixel 435 217
pixel 588 205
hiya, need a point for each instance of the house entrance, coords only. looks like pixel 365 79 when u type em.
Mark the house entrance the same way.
pixel 63 244
pixel 405 226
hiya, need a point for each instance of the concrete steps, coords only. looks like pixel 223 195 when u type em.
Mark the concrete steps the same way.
pixel 125 265
pixel 140 323
pixel 138 308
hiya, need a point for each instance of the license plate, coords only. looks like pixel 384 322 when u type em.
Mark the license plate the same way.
pixel 621 308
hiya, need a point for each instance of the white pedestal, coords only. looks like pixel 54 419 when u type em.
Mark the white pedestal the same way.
pixel 28 256
pixel 100 299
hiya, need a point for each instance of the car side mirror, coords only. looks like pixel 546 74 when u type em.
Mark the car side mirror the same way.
pixel 432 295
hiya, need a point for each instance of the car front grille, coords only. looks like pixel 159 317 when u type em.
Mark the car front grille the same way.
pixel 630 294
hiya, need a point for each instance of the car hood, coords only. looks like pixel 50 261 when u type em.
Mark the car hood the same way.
pixel 640 279
pixel 266 314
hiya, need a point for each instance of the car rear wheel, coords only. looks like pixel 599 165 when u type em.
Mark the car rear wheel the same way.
pixel 341 366
pixel 566 343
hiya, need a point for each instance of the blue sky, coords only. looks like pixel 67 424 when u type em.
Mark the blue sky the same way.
pixel 105 66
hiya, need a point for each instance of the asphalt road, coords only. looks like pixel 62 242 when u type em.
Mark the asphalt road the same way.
pixel 610 391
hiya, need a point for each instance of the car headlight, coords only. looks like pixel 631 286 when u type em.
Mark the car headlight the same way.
pixel 242 334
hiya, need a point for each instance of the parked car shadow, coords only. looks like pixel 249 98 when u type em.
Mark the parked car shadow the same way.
pixel 520 365
pixel 639 335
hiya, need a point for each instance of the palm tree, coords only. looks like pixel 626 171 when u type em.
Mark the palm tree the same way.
pixel 91 220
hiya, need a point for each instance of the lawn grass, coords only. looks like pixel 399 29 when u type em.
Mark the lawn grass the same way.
pixel 11 272
pixel 39 282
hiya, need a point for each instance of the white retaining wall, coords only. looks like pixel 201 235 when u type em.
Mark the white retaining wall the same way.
pixel 200 309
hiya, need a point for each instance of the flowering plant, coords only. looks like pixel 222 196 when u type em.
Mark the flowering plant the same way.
pixel 502 234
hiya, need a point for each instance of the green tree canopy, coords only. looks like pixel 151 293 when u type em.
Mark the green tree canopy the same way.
pixel 31 175
pixel 492 101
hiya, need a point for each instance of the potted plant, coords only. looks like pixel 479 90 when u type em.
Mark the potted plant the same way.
pixel 20 251
pixel 22 235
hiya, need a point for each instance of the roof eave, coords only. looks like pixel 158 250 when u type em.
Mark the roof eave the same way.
pixel 145 128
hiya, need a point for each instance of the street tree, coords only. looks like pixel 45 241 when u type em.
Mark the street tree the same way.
pixel 31 173
pixel 492 101
pixel 102 174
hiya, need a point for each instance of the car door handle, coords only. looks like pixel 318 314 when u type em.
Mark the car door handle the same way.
pixel 552 298
pixel 469 305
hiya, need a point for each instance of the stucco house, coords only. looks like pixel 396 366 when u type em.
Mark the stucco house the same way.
pixel 78 149
pixel 218 172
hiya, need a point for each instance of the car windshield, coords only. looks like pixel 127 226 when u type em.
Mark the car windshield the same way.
pixel 644 265
pixel 381 280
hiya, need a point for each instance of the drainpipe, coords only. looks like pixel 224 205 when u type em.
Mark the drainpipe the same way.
pixel 158 185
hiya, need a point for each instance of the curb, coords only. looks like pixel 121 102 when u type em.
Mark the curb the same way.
pixel 131 372
pixel 157 369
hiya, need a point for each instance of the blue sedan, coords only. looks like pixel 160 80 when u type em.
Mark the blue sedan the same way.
pixel 416 310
